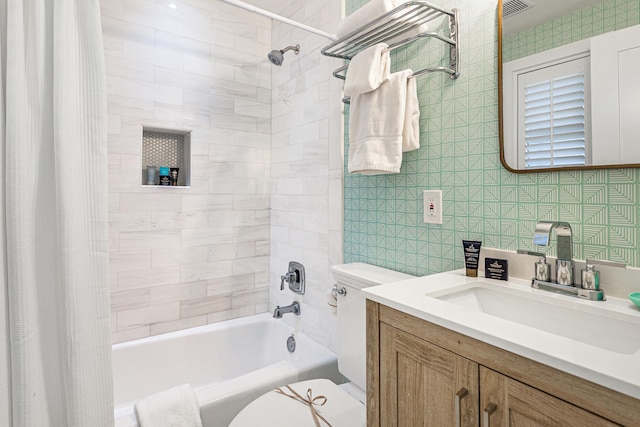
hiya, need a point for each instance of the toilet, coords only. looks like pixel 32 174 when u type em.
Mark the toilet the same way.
pixel 344 405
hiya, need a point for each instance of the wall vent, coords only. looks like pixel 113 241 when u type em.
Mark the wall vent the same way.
pixel 513 7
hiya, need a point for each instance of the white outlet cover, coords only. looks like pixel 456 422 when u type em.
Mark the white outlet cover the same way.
pixel 432 206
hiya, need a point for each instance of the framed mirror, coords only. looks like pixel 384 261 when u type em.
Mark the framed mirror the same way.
pixel 568 85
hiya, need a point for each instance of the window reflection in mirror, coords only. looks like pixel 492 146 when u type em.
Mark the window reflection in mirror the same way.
pixel 574 105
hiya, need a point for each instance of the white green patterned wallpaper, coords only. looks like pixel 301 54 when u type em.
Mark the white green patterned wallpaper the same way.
pixel 459 154
pixel 609 15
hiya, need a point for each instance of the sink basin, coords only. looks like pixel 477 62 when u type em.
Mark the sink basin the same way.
pixel 594 325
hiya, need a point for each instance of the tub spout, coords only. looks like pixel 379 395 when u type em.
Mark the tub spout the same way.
pixel 292 308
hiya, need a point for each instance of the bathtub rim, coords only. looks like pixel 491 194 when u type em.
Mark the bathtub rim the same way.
pixel 207 395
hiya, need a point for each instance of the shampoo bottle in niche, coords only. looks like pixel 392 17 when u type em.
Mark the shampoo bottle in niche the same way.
pixel 174 176
pixel 471 256
pixel 151 175
pixel 165 177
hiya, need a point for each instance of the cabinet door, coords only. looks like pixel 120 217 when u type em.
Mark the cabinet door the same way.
pixel 507 402
pixel 424 385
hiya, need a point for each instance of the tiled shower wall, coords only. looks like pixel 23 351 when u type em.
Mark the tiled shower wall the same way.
pixel 460 155
pixel 306 164
pixel 182 257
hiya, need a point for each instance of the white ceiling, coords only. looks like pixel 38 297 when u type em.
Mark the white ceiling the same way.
pixel 544 10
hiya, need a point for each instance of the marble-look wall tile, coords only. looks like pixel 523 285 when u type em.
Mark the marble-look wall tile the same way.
pixel 207 305
pixel 305 108
pixel 226 285
pixel 129 260
pixel 165 256
pixel 141 317
pixel 148 277
pixel 177 325
pixel 189 256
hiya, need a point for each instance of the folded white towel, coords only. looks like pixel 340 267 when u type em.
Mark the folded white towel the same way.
pixel 377 122
pixel 422 28
pixel 373 10
pixel 367 13
pixel 175 407
pixel 367 70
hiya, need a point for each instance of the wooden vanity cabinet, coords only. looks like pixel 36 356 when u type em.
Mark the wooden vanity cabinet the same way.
pixel 420 381
pixel 506 402
pixel 421 374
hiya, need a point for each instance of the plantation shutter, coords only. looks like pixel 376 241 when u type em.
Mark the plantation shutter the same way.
pixel 553 112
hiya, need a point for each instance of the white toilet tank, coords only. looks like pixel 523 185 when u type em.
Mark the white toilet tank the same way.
pixel 351 345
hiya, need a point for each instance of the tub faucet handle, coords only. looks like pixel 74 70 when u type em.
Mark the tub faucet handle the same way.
pixel 289 277
pixel 294 277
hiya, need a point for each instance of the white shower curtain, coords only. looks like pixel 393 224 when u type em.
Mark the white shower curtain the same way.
pixel 55 353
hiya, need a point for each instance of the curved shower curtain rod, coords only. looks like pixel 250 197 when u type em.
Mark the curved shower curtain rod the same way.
pixel 280 18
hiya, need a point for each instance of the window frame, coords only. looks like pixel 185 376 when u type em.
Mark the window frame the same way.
pixel 580 50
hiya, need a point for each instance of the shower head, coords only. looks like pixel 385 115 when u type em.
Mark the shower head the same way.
pixel 277 56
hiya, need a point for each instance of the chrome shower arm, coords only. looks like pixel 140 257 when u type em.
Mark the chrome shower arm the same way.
pixel 295 48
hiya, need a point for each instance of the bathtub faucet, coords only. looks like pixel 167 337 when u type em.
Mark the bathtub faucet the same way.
pixel 292 308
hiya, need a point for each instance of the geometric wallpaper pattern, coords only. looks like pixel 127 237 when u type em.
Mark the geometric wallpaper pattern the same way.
pixel 591 21
pixel 459 154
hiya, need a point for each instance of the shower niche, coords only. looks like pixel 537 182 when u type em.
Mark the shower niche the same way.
pixel 166 158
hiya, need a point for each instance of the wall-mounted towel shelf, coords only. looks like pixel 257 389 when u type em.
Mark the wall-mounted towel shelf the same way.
pixel 399 27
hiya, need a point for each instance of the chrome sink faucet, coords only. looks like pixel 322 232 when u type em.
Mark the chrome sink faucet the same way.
pixel 291 308
pixel 589 288
pixel 564 263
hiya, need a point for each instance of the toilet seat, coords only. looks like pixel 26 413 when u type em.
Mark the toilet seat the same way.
pixel 275 410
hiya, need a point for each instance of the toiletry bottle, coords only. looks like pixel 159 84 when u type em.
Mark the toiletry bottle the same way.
pixel 471 256
pixel 165 178
pixel 151 175
pixel 174 176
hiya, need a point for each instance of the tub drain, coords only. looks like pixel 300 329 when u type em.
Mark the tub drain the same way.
pixel 291 344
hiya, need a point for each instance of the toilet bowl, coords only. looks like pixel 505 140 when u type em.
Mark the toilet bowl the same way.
pixel 341 405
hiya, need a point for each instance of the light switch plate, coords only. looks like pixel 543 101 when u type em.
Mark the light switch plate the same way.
pixel 432 206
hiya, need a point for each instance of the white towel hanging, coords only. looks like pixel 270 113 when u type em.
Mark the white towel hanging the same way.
pixel 368 70
pixel 377 121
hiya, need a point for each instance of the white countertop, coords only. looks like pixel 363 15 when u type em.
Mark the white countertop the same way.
pixel 617 371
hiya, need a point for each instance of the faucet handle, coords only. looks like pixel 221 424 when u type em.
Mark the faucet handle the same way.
pixel 591 277
pixel 542 268
pixel 592 262
pixel 288 277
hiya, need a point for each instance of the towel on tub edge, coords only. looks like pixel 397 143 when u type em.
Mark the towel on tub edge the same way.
pixel 177 406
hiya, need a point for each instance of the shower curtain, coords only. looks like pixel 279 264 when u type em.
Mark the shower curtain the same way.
pixel 55 353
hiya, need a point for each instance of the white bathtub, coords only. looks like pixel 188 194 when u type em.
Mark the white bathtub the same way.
pixel 228 364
